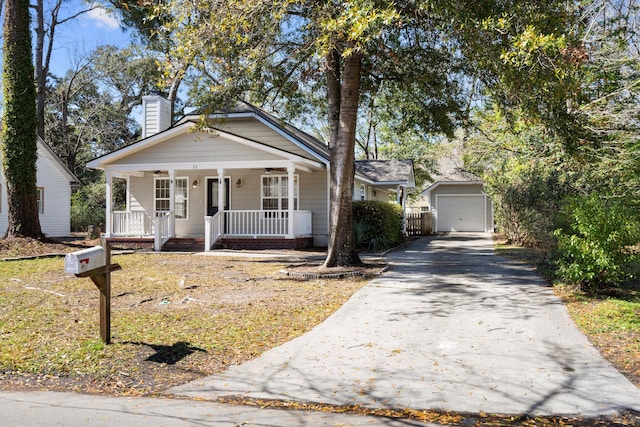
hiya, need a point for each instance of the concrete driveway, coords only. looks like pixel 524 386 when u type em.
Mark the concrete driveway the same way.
pixel 451 326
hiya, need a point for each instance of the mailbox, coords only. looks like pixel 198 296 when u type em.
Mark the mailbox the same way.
pixel 85 260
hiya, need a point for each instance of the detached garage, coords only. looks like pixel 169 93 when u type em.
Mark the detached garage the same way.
pixel 459 205
pixel 463 212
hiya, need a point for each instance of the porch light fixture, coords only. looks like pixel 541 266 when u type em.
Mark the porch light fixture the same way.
pixel 195 183
pixel 239 183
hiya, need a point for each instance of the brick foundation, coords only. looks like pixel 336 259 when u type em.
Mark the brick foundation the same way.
pixel 197 245
pixel 131 243
pixel 264 243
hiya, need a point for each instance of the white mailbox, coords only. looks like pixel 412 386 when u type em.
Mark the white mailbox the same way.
pixel 85 260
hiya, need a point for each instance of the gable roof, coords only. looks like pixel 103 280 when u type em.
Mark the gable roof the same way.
pixel 378 172
pixel 451 172
pixel 73 180
pixel 243 109
pixel 386 172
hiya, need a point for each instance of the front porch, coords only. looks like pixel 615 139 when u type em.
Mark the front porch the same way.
pixel 235 229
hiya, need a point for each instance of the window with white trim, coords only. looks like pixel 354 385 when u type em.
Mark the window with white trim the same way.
pixel 275 192
pixel 40 199
pixel 362 195
pixel 182 198
pixel 162 193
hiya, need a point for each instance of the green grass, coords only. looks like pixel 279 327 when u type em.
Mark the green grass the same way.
pixel 610 316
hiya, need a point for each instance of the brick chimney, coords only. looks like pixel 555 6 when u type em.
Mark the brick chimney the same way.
pixel 156 114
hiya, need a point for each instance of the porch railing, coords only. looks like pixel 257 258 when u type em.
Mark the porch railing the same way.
pixel 162 230
pixel 156 224
pixel 255 223
pixel 132 223
pixel 212 230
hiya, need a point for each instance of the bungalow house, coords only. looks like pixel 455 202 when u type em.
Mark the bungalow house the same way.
pixel 54 182
pixel 245 180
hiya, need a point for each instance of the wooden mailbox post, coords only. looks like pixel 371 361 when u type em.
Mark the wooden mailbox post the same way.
pixel 95 263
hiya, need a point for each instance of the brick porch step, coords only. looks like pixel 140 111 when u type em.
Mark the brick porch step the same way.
pixel 184 244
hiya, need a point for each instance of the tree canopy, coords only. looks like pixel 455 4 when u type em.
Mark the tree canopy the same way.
pixel 425 55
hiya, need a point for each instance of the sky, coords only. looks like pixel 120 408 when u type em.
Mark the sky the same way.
pixel 78 37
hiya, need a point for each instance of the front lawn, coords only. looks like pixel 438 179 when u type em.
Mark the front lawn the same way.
pixel 174 318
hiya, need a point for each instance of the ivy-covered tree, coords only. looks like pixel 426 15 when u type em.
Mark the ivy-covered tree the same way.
pixel 19 123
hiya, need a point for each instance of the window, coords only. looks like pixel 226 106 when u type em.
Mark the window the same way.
pixel 162 201
pixel 362 196
pixel 182 198
pixel 275 192
pixel 40 199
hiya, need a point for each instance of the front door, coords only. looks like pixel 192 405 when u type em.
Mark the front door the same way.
pixel 212 195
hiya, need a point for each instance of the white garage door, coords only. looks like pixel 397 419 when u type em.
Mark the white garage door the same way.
pixel 460 213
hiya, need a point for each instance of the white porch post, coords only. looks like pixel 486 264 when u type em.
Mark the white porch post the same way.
pixel 404 210
pixel 172 202
pixel 128 194
pixel 221 190
pixel 291 194
pixel 109 202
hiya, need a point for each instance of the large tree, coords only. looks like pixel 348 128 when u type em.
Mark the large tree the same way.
pixel 424 51
pixel 48 20
pixel 89 109
pixel 19 144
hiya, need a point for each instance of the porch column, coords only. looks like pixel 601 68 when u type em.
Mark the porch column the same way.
pixel 128 194
pixel 172 203
pixel 290 191
pixel 108 204
pixel 404 209
pixel 221 188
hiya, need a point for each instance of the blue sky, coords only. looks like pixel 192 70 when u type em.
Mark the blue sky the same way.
pixel 78 37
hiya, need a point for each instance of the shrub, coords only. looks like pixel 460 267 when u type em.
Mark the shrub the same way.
pixel 87 207
pixel 597 241
pixel 527 197
pixel 377 225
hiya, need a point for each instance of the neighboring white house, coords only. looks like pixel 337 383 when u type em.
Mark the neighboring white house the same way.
pixel 245 180
pixel 456 200
pixel 54 181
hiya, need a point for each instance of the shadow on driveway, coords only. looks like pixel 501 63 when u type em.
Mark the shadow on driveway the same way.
pixel 451 327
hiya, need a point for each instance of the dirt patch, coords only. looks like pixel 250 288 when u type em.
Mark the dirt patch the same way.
pixel 309 271
pixel 27 247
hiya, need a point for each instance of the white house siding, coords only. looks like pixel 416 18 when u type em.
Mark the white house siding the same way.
pixel 56 218
pixel 314 197
pixel 256 131
pixel 194 148
pixel 372 192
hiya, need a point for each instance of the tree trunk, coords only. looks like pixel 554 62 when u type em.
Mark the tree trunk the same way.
pixel 342 250
pixel 19 146
pixel 41 72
